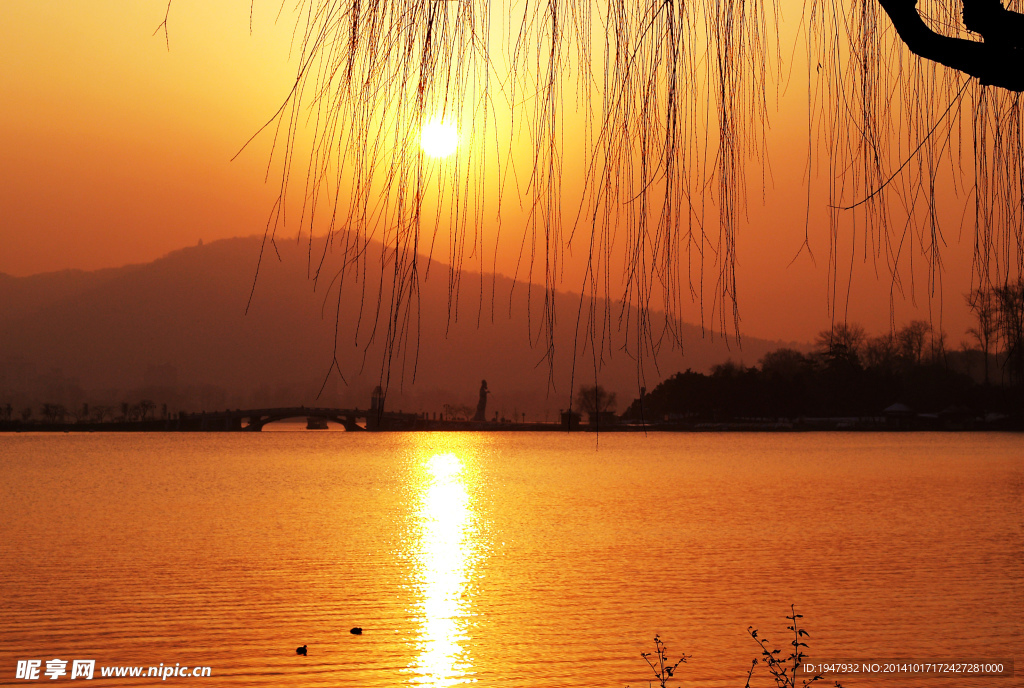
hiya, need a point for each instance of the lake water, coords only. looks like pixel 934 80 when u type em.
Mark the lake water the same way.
pixel 506 560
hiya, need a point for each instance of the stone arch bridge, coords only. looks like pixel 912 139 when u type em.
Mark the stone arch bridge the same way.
pixel 253 420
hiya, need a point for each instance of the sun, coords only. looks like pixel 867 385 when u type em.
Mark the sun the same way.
pixel 439 139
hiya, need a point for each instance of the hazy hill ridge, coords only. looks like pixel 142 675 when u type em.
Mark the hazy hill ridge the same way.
pixel 175 330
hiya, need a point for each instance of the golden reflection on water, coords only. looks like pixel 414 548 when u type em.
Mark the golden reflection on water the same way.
pixel 444 559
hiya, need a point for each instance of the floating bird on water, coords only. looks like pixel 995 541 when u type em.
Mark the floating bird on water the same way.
pixel 301 650
pixel 356 631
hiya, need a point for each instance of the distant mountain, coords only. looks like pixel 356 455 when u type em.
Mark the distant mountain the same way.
pixel 20 295
pixel 175 331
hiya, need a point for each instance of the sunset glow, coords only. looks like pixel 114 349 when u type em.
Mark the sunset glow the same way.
pixel 144 163
pixel 439 139
pixel 445 552
pixel 473 344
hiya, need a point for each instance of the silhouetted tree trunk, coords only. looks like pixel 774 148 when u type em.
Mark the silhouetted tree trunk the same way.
pixel 911 341
pixel 1011 324
pixel 982 303
pixel 998 61
pixel 595 399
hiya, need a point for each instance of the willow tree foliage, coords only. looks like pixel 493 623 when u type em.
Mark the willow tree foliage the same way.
pixel 671 99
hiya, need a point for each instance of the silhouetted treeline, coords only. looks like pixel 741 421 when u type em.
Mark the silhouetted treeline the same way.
pixel 848 374
pixel 58 414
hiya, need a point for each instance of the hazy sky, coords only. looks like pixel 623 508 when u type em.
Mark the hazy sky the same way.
pixel 117 151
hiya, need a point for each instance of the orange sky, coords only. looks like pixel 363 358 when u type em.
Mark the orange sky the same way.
pixel 118 151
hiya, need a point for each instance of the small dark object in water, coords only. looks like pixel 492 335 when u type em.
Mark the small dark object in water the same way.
pixel 356 631
pixel 301 650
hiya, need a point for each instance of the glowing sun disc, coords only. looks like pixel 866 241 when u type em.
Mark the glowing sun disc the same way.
pixel 439 139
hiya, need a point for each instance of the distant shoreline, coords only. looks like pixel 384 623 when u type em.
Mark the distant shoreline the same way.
pixel 872 424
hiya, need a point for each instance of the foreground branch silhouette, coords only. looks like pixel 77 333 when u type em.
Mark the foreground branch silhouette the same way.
pixel 783 670
pixel 998 60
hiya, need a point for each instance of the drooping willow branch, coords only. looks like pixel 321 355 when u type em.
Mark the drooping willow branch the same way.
pixel 371 73
pixel 888 102
pixel 651 110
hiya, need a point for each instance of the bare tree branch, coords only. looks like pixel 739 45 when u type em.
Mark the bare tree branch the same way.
pixel 996 62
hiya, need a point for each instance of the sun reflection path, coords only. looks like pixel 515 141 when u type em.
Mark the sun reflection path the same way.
pixel 446 553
